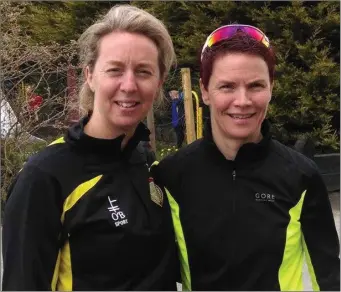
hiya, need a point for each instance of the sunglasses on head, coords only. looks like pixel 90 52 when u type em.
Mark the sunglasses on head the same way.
pixel 227 31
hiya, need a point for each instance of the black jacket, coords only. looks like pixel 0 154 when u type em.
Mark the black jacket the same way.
pixel 101 206
pixel 247 223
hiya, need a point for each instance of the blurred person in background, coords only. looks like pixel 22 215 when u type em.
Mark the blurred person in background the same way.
pixel 178 116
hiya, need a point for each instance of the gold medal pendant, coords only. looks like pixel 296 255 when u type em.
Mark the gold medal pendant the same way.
pixel 156 193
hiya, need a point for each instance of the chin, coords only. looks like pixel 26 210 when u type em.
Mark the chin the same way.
pixel 126 123
pixel 239 134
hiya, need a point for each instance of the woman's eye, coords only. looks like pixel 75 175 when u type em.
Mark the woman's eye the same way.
pixel 144 72
pixel 113 70
pixel 257 85
pixel 226 87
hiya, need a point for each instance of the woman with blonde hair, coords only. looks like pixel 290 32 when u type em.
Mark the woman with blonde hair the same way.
pixel 84 213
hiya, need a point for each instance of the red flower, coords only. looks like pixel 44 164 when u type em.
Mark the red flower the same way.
pixel 35 102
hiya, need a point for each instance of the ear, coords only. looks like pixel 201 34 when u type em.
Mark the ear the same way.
pixel 162 79
pixel 159 93
pixel 89 78
pixel 159 88
pixel 204 93
pixel 161 82
pixel 271 88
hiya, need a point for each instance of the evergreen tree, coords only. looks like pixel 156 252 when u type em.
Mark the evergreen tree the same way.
pixel 306 38
pixel 305 35
pixel 306 93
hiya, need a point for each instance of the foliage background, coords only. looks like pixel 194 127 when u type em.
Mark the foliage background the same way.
pixel 306 35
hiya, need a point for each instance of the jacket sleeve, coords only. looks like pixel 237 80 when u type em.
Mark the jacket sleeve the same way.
pixel 321 243
pixel 30 231
pixel 165 174
pixel 168 173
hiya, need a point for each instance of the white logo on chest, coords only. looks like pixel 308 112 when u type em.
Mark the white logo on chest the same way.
pixel 116 214
pixel 263 197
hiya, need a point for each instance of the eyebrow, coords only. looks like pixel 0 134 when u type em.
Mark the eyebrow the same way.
pixel 224 81
pixel 234 82
pixel 257 81
pixel 142 64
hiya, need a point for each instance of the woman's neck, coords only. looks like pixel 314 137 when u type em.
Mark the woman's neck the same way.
pixel 229 146
pixel 101 129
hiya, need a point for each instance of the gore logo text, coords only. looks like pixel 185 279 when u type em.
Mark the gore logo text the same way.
pixel 264 197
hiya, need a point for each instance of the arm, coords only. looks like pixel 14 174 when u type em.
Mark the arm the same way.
pixel 321 243
pixel 30 231
pixel 166 174
pixel 181 96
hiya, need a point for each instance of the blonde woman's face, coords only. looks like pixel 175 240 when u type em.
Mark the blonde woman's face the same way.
pixel 125 79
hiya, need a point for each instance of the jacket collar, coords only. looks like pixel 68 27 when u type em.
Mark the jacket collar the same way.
pixel 249 152
pixel 106 148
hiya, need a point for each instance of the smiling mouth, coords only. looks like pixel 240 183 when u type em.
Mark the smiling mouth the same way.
pixel 241 117
pixel 127 104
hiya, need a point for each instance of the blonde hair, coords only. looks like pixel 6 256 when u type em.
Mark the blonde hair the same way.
pixel 125 18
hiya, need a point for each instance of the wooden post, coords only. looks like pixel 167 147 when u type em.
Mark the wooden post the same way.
pixel 198 109
pixel 187 87
pixel 199 123
pixel 151 127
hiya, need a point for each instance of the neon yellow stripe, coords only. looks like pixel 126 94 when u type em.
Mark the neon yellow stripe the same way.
pixel 65 270
pixel 55 274
pixel 57 266
pixel 185 272
pixel 310 266
pixel 62 276
pixel 154 164
pixel 73 198
pixel 291 269
pixel 180 238
pixel 58 141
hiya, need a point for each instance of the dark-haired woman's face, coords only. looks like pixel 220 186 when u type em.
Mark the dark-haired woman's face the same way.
pixel 238 95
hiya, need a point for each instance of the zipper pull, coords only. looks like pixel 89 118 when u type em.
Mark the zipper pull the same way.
pixel 234 174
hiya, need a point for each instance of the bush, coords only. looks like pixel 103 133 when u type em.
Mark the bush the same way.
pixel 14 153
pixel 164 149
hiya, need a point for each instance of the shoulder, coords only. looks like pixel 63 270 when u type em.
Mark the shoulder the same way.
pixel 146 152
pixel 55 158
pixel 183 156
pixel 32 183
pixel 171 168
pixel 56 168
pixel 295 159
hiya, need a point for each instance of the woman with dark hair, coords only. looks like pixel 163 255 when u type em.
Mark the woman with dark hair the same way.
pixel 251 209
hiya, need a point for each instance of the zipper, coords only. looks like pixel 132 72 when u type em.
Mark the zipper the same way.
pixel 234 174
pixel 234 228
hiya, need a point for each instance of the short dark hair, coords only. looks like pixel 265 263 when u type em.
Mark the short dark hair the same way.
pixel 239 43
